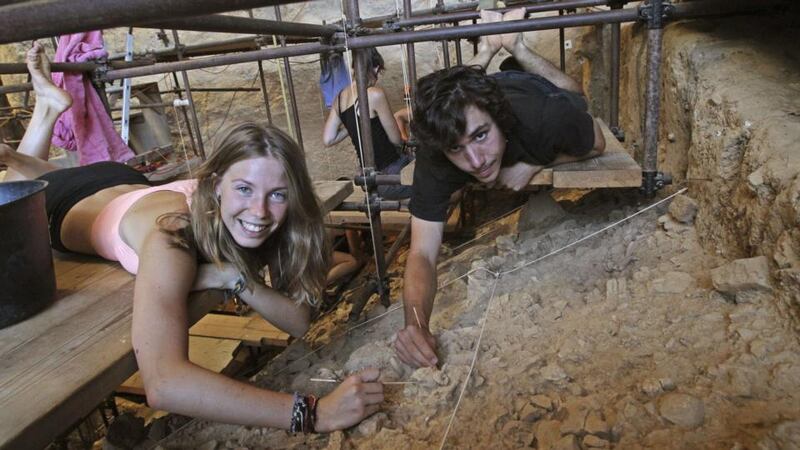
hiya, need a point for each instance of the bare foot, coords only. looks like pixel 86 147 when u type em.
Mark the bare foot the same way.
pixel 494 42
pixel 47 93
pixel 510 40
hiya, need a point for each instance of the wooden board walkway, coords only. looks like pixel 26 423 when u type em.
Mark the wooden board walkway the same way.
pixel 58 365
pixel 613 169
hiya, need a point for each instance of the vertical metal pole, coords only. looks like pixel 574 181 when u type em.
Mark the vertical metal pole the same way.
pixel 459 57
pixel 188 90
pixel 412 61
pixel 613 120
pixel 290 85
pixel 264 93
pixel 445 43
pixel 562 43
pixel 368 153
pixel 126 90
pixel 475 41
pixel 185 116
pixel 655 29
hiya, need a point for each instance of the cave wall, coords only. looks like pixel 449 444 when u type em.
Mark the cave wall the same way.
pixel 729 130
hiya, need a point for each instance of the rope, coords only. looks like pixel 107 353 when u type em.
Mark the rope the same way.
pixel 472 364
pixel 283 94
pixel 180 131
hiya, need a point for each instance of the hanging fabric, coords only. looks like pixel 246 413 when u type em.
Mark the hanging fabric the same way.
pixel 86 126
pixel 334 76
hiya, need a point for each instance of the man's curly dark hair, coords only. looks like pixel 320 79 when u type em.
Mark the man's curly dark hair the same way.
pixel 443 96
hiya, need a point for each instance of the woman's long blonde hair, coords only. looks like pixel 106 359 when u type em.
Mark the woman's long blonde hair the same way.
pixel 297 252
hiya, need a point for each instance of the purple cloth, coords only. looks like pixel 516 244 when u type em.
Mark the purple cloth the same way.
pixel 86 126
pixel 333 77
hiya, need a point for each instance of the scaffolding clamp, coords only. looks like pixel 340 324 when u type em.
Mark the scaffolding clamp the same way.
pixel 654 181
pixel 646 14
pixel 99 72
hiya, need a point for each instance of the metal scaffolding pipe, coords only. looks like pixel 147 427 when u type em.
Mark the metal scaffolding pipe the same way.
pixel 264 92
pixel 187 87
pixel 231 24
pixel 290 86
pixel 223 60
pixel 655 30
pixel 88 66
pixel 469 15
pixel 679 11
pixel 613 120
pixel 43 18
pixel 539 23
pixel 411 58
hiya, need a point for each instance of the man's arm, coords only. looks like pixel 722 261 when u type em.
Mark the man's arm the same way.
pixel 415 345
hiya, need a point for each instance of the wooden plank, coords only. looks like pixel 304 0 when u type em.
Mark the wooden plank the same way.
pixel 390 220
pixel 58 365
pixel 331 193
pixel 210 353
pixel 250 330
pixel 615 168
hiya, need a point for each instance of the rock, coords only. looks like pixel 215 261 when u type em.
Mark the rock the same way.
pixel 651 387
pixel 568 442
pixel 660 438
pixel 575 419
pixel 505 243
pixel 553 372
pixel 667 384
pixel 742 275
pixel 673 283
pixel 540 211
pixel 375 354
pixel 373 424
pixel 590 441
pixel 787 250
pixel 210 445
pixel 682 409
pixel 542 401
pixel 157 429
pixel 596 426
pixel 337 441
pixel 683 209
pixel 531 413
pixel 548 433
pixel 126 431
pixel 375 311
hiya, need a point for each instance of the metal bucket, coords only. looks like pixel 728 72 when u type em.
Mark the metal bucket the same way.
pixel 27 279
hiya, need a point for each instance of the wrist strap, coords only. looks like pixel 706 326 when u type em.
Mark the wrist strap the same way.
pixel 304 414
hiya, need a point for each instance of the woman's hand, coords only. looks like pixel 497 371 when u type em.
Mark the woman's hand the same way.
pixel 213 276
pixel 356 398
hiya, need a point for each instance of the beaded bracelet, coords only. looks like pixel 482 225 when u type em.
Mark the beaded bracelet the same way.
pixel 304 414
pixel 238 288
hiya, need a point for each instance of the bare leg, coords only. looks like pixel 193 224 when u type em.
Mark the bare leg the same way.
pixel 488 46
pixel 531 61
pixel 30 160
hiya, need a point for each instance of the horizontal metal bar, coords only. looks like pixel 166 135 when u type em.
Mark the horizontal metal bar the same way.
pixel 88 66
pixel 43 18
pixel 214 61
pixel 469 15
pixel 232 24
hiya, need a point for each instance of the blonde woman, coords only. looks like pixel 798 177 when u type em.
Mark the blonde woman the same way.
pixel 251 208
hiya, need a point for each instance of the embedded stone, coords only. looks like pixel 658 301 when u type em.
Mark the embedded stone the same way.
pixel 742 275
pixel 590 441
pixel 682 409
pixel 683 209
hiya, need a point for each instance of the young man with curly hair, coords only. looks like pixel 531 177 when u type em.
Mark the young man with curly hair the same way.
pixel 499 130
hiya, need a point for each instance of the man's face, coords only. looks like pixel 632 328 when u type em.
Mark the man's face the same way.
pixel 479 152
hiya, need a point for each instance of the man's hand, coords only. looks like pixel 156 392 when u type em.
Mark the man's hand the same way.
pixel 517 176
pixel 416 347
pixel 356 398
pixel 492 43
pixel 510 40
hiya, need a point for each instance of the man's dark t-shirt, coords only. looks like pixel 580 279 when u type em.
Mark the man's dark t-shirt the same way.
pixel 549 121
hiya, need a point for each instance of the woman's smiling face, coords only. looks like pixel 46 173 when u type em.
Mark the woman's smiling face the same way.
pixel 253 196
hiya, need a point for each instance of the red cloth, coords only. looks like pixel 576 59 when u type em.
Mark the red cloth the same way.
pixel 86 126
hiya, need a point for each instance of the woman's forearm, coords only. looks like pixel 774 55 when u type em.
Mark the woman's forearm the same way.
pixel 278 309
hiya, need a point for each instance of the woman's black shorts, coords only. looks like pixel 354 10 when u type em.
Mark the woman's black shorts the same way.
pixel 66 187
